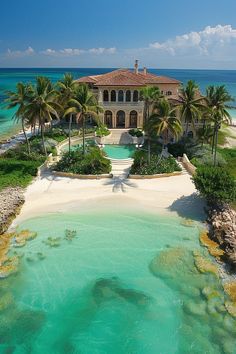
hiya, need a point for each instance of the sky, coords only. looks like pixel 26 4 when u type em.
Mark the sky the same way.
pixel 107 33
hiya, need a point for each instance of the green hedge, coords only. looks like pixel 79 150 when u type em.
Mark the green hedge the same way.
pixel 136 132
pixel 216 184
pixel 93 162
pixel 17 172
pixel 157 165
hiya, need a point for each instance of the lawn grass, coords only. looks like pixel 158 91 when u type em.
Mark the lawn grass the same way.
pixel 229 155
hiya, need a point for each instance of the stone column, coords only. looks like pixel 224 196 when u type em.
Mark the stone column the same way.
pixel 126 119
pixel 100 96
pixel 113 119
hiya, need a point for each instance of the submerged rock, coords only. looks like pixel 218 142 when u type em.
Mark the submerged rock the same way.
pixel 193 308
pixel 203 265
pixel 212 246
pixel 173 263
pixel 105 289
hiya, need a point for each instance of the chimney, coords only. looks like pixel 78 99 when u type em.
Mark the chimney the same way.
pixel 145 71
pixel 136 66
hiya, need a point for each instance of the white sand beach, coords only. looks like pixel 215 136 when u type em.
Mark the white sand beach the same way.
pixel 48 194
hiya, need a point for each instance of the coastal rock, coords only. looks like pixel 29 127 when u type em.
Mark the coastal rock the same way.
pixel 11 201
pixel 222 221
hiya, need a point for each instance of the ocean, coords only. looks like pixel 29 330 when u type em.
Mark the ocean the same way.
pixel 10 77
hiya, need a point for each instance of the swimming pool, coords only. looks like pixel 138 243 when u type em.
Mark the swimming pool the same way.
pixel 119 151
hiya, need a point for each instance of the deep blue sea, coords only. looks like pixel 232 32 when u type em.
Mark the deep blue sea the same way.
pixel 9 78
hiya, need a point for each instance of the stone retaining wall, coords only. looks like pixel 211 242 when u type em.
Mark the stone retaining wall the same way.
pixel 188 165
pixel 160 175
pixel 75 175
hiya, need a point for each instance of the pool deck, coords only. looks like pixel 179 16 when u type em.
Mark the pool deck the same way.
pixel 50 194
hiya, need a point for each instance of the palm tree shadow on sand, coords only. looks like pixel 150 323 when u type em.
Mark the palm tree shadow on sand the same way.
pixel 191 206
pixel 120 184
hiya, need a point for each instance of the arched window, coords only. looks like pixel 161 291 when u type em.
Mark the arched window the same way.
pixel 168 93
pixel 133 117
pixel 113 96
pixel 120 96
pixel 128 96
pixel 135 96
pixel 108 119
pixel 105 96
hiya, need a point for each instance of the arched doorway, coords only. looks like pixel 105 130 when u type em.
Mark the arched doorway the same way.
pixel 133 119
pixel 108 119
pixel 120 119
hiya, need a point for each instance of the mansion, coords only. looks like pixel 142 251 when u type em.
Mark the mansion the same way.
pixel 118 93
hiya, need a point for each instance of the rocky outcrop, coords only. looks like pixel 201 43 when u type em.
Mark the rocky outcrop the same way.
pixel 223 230
pixel 11 202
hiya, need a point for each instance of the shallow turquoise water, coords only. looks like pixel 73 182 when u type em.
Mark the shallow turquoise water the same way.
pixel 117 287
pixel 76 146
pixel 119 151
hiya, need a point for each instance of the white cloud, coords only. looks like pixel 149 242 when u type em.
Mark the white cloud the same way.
pixel 20 53
pixel 204 42
pixel 102 50
pixel 67 52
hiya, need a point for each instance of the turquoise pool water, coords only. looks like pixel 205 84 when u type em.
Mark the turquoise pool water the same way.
pixel 76 146
pixel 119 151
pixel 125 284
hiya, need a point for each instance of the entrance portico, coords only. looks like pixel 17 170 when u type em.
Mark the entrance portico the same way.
pixel 121 118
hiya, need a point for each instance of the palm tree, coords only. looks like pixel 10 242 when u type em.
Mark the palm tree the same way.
pixel 84 104
pixel 67 88
pixel 42 107
pixel 191 104
pixel 20 99
pixel 149 95
pixel 164 120
pixel 205 134
pixel 218 99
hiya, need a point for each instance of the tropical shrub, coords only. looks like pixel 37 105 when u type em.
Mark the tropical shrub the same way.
pixel 15 172
pixel 93 162
pixel 216 184
pixel 157 164
pixel 102 130
pixel 136 132
pixel 181 147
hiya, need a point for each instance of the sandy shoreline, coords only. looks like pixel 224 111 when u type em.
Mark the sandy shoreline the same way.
pixel 48 194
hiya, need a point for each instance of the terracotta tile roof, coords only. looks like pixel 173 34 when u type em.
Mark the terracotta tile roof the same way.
pixel 125 77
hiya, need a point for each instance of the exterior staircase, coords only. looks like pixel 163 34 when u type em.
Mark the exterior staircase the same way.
pixel 121 168
pixel 184 171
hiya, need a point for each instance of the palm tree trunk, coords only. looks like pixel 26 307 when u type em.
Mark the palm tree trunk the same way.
pixel 213 140
pixel 26 137
pixel 186 131
pixel 203 129
pixel 216 143
pixel 43 140
pixel 149 151
pixel 83 132
pixel 70 122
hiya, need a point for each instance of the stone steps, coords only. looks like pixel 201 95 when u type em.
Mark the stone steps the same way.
pixel 121 168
